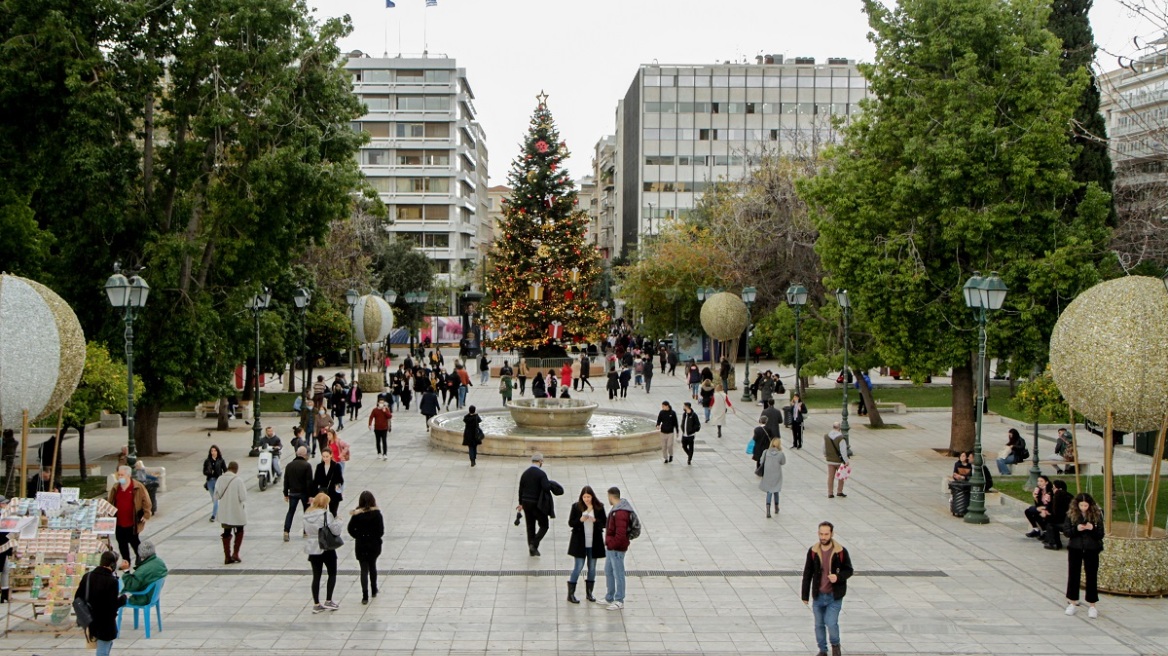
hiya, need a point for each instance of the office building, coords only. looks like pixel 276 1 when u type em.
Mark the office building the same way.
pixel 427 157
pixel 681 128
pixel 604 197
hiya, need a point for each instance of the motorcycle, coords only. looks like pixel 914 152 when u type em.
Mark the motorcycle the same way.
pixel 268 461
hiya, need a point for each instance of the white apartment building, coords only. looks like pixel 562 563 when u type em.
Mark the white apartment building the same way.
pixel 681 128
pixel 604 197
pixel 427 156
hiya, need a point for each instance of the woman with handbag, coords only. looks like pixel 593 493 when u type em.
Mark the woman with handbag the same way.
pixel 472 435
pixel 98 593
pixel 320 555
pixel 587 519
pixel 213 468
pixel 329 479
pixel 771 463
pixel 367 527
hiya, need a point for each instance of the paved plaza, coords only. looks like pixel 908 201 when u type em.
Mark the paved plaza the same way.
pixel 710 574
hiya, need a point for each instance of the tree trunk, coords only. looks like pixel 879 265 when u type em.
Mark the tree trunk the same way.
pixel 248 380
pixel 223 414
pixel 961 425
pixel 146 429
pixel 81 450
pixel 874 419
pixel 290 381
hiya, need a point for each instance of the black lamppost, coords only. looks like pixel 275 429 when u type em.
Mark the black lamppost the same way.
pixel 351 297
pixel 748 295
pixel 845 303
pixel 302 297
pixel 128 296
pixel 797 298
pixel 390 297
pixel 258 304
pixel 703 294
pixel 982 295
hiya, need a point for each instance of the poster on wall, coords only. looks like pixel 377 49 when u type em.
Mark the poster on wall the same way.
pixel 442 330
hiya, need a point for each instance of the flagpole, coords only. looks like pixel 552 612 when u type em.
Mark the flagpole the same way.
pixel 425 31
pixel 385 34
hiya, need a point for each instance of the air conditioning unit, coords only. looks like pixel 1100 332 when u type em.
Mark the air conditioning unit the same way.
pixel 804 61
pixel 837 61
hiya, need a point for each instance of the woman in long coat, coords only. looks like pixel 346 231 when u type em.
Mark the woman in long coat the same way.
pixel 587 519
pixel 470 433
pixel 330 479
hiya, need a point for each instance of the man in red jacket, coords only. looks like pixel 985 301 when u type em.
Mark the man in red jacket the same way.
pixel 828 568
pixel 616 543
pixel 379 423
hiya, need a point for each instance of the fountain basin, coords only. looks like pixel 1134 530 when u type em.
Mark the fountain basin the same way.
pixel 607 433
pixel 551 413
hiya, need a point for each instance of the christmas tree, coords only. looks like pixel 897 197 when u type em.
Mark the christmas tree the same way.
pixel 541 270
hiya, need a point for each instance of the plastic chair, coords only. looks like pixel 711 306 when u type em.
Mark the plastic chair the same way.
pixel 155 592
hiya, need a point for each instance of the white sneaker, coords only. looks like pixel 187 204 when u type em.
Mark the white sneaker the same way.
pixel 1092 612
pixel 1071 609
pixel 616 605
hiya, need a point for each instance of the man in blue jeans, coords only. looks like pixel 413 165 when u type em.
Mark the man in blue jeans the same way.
pixel 826 573
pixel 616 543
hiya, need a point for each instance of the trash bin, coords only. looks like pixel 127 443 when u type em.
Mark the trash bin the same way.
pixel 959 492
pixel 1146 443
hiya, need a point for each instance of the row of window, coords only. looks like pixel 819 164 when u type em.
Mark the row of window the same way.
pixel 822 79
pixel 711 134
pixel 377 103
pixel 386 130
pixel 432 239
pixel 694 160
pixel 382 157
pixel 411 185
pixel 806 108
pixel 423 213
pixel 680 187
pixel 403 76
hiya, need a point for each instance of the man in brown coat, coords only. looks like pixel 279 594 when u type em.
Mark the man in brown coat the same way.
pixel 133 503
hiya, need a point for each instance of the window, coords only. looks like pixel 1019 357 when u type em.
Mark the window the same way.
pixel 437 212
pixel 437 158
pixel 375 77
pixel 410 103
pixel 437 77
pixel 437 130
pixel 377 103
pixel 409 158
pixel 465 241
pixel 410 77
pixel 437 103
pixel 409 212
pixel 750 106
pixel 383 185
pixel 707 135
pixel 410 130
pixel 376 130
pixel 441 266
pixel 423 185
pixel 659 160
pixel 375 157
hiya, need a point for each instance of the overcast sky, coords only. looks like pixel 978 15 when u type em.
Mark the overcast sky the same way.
pixel 584 54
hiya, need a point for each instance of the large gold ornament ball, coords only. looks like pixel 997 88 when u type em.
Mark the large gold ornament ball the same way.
pixel 724 316
pixel 532 176
pixel 1109 351
pixel 42 351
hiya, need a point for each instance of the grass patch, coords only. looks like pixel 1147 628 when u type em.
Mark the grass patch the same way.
pixel 1130 493
pixel 271 401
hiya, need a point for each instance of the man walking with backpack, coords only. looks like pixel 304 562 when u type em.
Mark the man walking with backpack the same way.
pixel 623 527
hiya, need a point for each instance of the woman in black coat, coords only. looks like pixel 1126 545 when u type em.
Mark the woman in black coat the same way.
pixel 538 386
pixel 587 519
pixel 329 479
pixel 470 433
pixel 762 440
pixel 367 527
pixel 1084 531
pixel 213 468
pixel 100 588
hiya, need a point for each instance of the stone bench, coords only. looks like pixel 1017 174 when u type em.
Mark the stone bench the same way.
pixel 1084 465
pixel 897 408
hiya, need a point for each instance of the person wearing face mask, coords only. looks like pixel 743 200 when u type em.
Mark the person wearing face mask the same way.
pixel 133 503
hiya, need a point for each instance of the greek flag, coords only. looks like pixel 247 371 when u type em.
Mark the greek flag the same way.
pixel 431 3
pixel 389 4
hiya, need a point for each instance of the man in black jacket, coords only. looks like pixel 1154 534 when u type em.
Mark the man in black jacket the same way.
pixel 99 588
pixel 532 486
pixel 298 486
pixel 826 572
pixel 774 418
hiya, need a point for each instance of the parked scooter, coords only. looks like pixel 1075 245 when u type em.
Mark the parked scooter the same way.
pixel 269 462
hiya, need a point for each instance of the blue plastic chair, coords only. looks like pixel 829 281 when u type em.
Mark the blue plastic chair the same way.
pixel 155 592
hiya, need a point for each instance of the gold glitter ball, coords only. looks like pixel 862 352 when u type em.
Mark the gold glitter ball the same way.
pixel 1109 351
pixel 724 316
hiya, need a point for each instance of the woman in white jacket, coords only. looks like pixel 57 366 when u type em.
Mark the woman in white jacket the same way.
pixel 315 518
pixel 721 403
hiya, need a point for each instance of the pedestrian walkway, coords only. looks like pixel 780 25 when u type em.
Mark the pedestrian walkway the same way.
pixel 710 574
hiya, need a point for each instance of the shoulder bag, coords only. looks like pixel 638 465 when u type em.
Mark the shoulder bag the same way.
pixel 81 607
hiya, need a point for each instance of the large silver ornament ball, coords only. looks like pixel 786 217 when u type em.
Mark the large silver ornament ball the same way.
pixel 1109 351
pixel 42 351
pixel 724 316
pixel 372 319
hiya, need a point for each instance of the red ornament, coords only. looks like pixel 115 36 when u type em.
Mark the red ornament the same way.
pixel 569 295
pixel 541 146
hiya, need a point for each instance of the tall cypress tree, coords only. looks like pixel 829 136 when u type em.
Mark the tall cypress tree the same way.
pixel 1071 23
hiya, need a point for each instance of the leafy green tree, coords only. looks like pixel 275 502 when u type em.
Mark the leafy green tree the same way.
pixel 399 266
pixel 208 141
pixel 959 163
pixel 103 387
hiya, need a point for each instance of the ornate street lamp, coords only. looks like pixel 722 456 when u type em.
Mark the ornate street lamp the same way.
pixel 128 295
pixel 797 298
pixel 351 297
pixel 748 296
pixel 983 295
pixel 845 303
pixel 301 298
pixel 258 304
